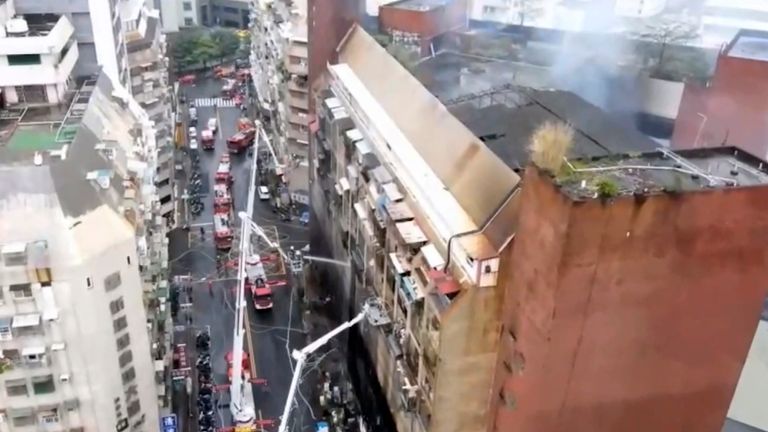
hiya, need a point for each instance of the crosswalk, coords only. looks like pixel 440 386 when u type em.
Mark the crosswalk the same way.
pixel 220 102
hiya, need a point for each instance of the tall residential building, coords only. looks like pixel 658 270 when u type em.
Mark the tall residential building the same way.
pixel 98 30
pixel 297 95
pixel 38 53
pixel 79 234
pixel 147 61
pixel 618 267
pixel 421 235
pixel 501 293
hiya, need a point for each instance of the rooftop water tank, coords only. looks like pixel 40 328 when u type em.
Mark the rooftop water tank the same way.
pixel 16 26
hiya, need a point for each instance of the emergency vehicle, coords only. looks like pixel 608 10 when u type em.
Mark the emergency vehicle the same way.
pixel 222 200
pixel 223 174
pixel 222 231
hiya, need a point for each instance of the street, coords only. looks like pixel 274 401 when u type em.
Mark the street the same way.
pixel 271 333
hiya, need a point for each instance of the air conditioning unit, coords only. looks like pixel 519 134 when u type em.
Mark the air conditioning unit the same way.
pixel 64 378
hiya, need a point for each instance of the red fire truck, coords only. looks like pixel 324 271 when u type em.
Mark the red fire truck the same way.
pixel 246 364
pixel 241 140
pixel 206 137
pixel 222 200
pixel 223 174
pixel 256 280
pixel 222 232
pixel 244 123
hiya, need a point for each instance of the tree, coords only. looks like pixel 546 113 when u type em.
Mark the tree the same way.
pixel 206 50
pixel 528 9
pixel 664 32
pixel 227 42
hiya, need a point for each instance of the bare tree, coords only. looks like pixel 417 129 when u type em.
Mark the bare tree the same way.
pixel 528 9
pixel 666 31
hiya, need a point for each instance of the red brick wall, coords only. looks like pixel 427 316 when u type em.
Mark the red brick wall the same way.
pixel 427 24
pixel 632 315
pixel 736 107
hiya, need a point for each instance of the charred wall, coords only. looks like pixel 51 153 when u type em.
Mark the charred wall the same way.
pixel 630 315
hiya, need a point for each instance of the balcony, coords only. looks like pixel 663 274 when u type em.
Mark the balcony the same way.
pixel 297 66
pixel 45 36
pixel 299 119
pixel 47 71
pixel 298 84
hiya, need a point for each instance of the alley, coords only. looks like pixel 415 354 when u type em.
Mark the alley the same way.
pixel 270 333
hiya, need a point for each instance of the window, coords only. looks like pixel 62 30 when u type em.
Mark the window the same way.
pixel 13 355
pixel 116 306
pixel 187 6
pixel 228 9
pixel 21 291
pixel 188 22
pixel 112 281
pixel 23 420
pixel 128 259
pixel 129 375
pixel 88 283
pixel 43 384
pixel 125 358
pixel 133 408
pixel 24 59
pixel 123 341
pixel 49 417
pixel 16 387
pixel 15 254
pixel 120 324
pixel 5 328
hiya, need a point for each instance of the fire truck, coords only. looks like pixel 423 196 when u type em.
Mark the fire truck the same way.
pixel 256 281
pixel 222 200
pixel 206 137
pixel 244 123
pixel 246 364
pixel 223 174
pixel 241 140
pixel 222 232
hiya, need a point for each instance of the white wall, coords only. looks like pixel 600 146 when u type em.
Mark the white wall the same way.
pixel 104 38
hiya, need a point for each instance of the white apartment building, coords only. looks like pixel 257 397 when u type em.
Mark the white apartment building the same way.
pixel 98 31
pixel 148 66
pixel 297 95
pixel 78 213
pixel 177 14
pixel 37 56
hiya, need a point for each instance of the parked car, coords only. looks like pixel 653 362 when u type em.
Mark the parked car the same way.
pixel 263 193
pixel 192 133
pixel 193 144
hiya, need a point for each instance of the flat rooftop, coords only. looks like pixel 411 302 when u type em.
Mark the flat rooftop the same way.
pixel 27 130
pixel 505 118
pixel 750 45
pixel 661 171
pixel 418 5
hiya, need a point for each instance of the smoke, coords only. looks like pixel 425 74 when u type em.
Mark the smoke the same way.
pixel 594 62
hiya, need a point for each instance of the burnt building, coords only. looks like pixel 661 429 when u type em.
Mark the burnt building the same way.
pixel 732 108
pixel 634 288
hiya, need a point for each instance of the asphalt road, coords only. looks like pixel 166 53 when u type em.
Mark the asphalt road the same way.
pixel 269 331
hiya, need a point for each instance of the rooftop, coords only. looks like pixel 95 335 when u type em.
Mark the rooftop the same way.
pixel 751 45
pixel 661 171
pixel 75 150
pixel 418 5
pixel 506 117
pixel 38 25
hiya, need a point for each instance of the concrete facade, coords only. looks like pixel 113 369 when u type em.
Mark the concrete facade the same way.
pixel 608 318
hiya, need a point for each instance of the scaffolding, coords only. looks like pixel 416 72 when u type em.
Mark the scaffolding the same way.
pixel 510 95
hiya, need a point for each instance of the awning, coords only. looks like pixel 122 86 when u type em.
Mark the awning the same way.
pixel 14 248
pixel 410 232
pixel 338 189
pixel 360 210
pixel 33 351
pixel 159 365
pixel 445 284
pixel 432 256
pixel 50 311
pixel 26 320
pixel 344 183
pixel 396 265
pixel 363 147
pixel 392 191
pixel 399 211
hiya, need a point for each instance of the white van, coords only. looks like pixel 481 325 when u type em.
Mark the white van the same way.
pixel 193 144
pixel 263 193
pixel 212 124
pixel 193 113
pixel 192 133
